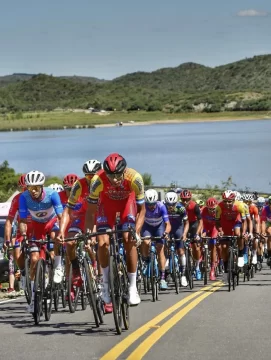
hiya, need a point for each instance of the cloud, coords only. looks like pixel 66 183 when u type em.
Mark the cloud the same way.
pixel 252 12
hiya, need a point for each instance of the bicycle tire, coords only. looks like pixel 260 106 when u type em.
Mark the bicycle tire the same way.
pixel 27 290
pixel 115 293
pixel 125 293
pixel 49 292
pixel 56 299
pixel 90 293
pixel 189 270
pixel 205 266
pixel 153 278
pixel 63 290
pixel 139 276
pixel 230 269
pixel 38 291
pixel 72 303
pixel 175 271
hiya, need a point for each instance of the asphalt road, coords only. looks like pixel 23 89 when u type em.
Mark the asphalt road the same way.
pixel 206 323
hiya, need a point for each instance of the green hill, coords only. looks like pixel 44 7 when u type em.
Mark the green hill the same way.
pixel 242 85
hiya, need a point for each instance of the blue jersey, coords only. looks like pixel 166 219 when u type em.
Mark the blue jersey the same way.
pixel 157 216
pixel 43 210
pixel 178 216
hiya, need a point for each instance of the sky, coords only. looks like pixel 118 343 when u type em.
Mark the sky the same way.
pixel 110 38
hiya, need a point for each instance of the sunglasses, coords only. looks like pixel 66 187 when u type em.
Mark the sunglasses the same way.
pixel 171 205
pixel 34 187
pixel 228 201
pixel 184 200
pixel 151 204
pixel 211 209
pixel 114 176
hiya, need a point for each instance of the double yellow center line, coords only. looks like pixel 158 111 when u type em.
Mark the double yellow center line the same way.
pixel 145 346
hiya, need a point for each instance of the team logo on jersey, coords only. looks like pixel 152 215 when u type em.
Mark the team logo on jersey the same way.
pixel 41 214
pixel 139 183
pixel 101 220
pixel 95 184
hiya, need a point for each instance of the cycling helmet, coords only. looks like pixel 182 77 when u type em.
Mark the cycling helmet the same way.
pixel 228 195
pixel 247 197
pixel 69 180
pixel 178 190
pixel 21 181
pixel 211 203
pixel 171 198
pixel 114 164
pixel 151 196
pixel 200 202
pixel 90 167
pixel 260 201
pixel 185 194
pixel 56 187
pixel 34 177
pixel 238 196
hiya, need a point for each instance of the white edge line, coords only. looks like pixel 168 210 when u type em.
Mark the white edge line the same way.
pixel 10 300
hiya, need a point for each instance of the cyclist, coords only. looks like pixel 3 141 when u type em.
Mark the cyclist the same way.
pixel 68 183
pixel 74 214
pixel 231 217
pixel 156 224
pixel 254 216
pixel 179 228
pixel 195 225
pixel 15 242
pixel 262 246
pixel 45 209
pixel 266 227
pixel 118 189
pixel 209 229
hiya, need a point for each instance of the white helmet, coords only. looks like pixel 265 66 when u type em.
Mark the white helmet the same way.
pixel 247 197
pixel 56 187
pixel 34 177
pixel 151 196
pixel 238 196
pixel 260 201
pixel 91 167
pixel 171 198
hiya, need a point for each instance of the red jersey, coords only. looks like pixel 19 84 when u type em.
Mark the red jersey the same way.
pixel 193 211
pixel 14 214
pixel 209 222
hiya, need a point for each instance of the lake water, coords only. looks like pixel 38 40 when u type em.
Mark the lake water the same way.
pixel 189 154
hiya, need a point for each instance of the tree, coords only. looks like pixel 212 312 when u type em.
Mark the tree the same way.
pixel 147 179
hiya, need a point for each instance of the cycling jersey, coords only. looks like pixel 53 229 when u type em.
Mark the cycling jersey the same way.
pixel 41 211
pixel 177 216
pixel 253 211
pixel 63 198
pixel 266 214
pixel 209 223
pixel 236 213
pixel 79 192
pixel 193 212
pixel 101 186
pixel 157 216
pixel 113 199
pixel 14 215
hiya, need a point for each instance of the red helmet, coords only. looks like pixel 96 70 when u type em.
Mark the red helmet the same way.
pixel 114 164
pixel 69 180
pixel 21 181
pixel 228 195
pixel 186 194
pixel 211 203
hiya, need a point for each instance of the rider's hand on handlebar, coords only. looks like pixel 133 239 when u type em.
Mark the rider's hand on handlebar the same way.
pixel 220 233
pixel 197 237
pixel 166 236
pixel 60 237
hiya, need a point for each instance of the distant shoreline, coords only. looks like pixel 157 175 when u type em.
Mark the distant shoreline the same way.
pixel 178 121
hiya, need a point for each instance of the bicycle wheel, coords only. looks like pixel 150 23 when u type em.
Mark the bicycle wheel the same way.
pixel 27 290
pixel 63 290
pixel 90 292
pixel 153 278
pixel 38 291
pixel 175 271
pixel 125 295
pixel 189 269
pixel 56 297
pixel 73 293
pixel 49 292
pixel 205 265
pixel 139 276
pixel 114 284
pixel 230 269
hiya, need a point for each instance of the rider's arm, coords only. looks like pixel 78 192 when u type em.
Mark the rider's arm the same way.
pixel 264 219
pixel 218 212
pixel 90 216
pixel 141 211
pixel 165 217
pixel 199 218
pixel 56 202
pixel 186 228
pixel 8 228
pixel 23 211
